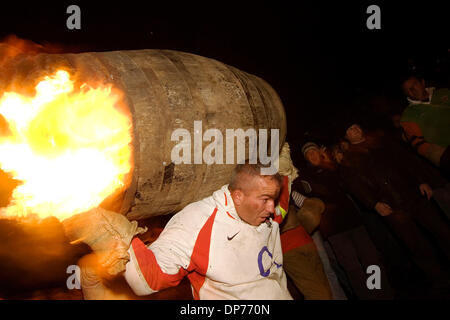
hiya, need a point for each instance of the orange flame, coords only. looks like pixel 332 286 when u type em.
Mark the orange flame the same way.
pixel 70 148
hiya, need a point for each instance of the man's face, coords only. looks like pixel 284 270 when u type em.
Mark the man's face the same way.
pixel 354 134
pixel 415 89
pixel 313 156
pixel 257 203
pixel 338 156
pixel 344 145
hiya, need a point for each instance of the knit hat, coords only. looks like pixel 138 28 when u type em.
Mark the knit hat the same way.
pixel 308 146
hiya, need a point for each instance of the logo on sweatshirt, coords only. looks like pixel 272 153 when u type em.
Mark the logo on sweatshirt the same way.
pixel 265 262
pixel 231 238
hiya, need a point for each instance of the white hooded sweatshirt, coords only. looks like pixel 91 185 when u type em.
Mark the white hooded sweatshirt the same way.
pixel 223 256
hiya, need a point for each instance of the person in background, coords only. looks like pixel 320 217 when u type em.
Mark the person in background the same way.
pixel 384 178
pixel 426 121
pixel 404 276
pixel 302 262
pixel 341 225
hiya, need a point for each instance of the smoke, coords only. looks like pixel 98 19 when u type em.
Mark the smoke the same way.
pixel 12 46
pixel 34 255
pixel 23 63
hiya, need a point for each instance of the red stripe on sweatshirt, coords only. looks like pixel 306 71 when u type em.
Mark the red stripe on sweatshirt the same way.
pixel 198 266
pixel 230 216
pixel 155 277
pixel 200 256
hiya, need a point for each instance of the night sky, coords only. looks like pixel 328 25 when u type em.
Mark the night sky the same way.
pixel 319 56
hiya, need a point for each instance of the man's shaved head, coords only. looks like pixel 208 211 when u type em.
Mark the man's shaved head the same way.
pixel 244 175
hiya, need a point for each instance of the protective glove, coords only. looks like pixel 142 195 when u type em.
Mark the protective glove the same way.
pixel 286 166
pixel 108 233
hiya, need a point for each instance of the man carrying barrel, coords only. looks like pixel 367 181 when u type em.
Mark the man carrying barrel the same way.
pixel 226 244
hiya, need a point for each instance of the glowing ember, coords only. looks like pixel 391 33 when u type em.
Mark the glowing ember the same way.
pixel 70 148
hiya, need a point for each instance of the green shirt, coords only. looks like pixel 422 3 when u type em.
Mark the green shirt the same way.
pixel 433 118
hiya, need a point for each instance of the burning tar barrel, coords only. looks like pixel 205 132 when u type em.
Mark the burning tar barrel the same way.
pixel 167 97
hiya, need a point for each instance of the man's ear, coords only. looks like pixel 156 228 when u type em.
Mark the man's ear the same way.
pixel 238 196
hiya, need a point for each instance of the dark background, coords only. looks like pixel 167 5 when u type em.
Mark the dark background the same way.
pixel 319 56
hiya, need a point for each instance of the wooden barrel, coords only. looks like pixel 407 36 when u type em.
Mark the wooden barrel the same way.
pixel 165 90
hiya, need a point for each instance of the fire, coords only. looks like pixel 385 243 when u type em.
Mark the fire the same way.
pixel 69 147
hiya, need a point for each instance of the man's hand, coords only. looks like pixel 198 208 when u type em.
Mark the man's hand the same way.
pixel 114 261
pixel 108 233
pixel 383 209
pixel 425 189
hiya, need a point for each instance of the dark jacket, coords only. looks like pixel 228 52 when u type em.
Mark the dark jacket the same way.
pixel 378 170
pixel 340 212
